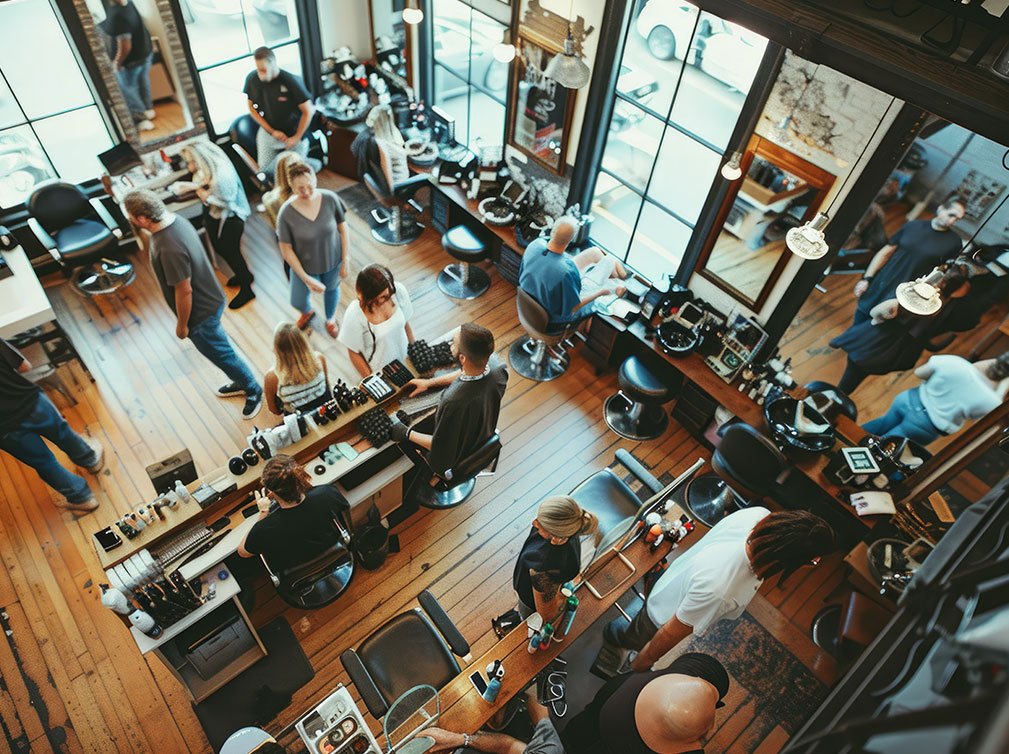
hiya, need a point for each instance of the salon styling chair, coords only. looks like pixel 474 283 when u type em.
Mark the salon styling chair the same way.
pixel 834 400
pixel 243 144
pixel 395 225
pixel 747 465
pixel 537 355
pixel 319 581
pixel 463 279
pixel 609 497
pixel 458 482
pixel 635 411
pixel 411 649
pixel 80 234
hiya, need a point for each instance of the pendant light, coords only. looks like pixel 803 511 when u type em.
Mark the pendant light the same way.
pixel 567 68
pixel 731 171
pixel 504 51
pixel 411 13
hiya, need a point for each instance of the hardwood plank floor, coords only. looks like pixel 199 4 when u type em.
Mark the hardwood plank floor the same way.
pixel 73 678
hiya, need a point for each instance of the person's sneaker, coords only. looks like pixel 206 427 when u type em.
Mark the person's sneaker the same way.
pixel 244 296
pixel 145 125
pixel 100 451
pixel 86 507
pixel 305 318
pixel 252 405
pixel 150 114
pixel 232 388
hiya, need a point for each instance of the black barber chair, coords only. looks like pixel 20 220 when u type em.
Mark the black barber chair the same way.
pixel 609 497
pixel 747 465
pixel 534 356
pixel 833 400
pixel 409 650
pixel 635 411
pixel 319 581
pixel 81 236
pixel 396 226
pixel 243 137
pixel 458 482
pixel 464 279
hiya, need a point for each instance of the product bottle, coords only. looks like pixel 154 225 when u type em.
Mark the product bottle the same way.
pixel 182 492
pixel 145 623
pixel 115 600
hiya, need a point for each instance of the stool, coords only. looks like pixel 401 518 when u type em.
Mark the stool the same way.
pixel 635 411
pixel 463 280
pixel 534 356
pixel 844 630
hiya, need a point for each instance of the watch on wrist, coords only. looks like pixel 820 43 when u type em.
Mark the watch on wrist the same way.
pixel 867 278
pixel 466 739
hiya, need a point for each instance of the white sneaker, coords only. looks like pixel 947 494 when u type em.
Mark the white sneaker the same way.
pixel 151 114
pixel 145 125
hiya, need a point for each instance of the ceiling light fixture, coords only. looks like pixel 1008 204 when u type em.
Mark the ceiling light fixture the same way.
pixel 504 51
pixel 412 14
pixel 567 68
pixel 731 171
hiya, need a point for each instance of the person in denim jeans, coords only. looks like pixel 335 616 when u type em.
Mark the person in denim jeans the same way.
pixel 192 291
pixel 132 54
pixel 26 417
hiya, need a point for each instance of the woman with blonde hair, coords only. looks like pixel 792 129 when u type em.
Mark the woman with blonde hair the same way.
pixel 551 554
pixel 381 146
pixel 299 381
pixel 274 199
pixel 225 208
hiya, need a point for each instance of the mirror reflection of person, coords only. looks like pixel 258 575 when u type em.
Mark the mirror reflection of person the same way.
pixel 953 391
pixel 132 56
pixel 912 251
pixel 225 208
pixel 281 106
pixel 376 326
pixel 379 149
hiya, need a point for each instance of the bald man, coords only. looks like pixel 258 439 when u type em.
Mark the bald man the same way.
pixel 667 711
pixel 567 284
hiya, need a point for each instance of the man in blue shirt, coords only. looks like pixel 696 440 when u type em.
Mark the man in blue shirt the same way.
pixel 566 285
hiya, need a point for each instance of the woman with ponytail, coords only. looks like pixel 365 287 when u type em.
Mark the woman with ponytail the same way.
pixel 551 554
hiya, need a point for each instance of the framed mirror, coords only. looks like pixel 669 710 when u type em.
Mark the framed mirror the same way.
pixel 389 41
pixel 541 108
pixel 777 191
pixel 136 46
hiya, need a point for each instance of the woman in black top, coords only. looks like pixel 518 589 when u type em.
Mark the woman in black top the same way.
pixel 677 705
pixel 551 555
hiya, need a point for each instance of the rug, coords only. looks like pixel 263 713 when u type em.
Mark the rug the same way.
pixel 257 695
pixel 358 200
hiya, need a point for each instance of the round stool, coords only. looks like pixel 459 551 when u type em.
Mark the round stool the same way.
pixel 463 280
pixel 636 412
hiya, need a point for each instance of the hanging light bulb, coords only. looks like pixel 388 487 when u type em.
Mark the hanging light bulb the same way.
pixel 412 14
pixel 921 296
pixel 504 51
pixel 731 171
pixel 568 69
pixel 807 241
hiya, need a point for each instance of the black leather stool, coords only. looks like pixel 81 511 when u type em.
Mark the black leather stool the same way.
pixel 464 279
pixel 636 412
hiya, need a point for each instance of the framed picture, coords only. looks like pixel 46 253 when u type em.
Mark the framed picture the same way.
pixel 541 108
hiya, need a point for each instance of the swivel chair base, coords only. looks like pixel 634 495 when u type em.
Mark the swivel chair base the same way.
pixel 463 280
pixel 635 421
pixel 104 276
pixel 450 498
pixel 709 499
pixel 826 629
pixel 535 360
pixel 396 228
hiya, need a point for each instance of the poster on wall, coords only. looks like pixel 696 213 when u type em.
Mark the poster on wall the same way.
pixel 541 108
pixel 978 191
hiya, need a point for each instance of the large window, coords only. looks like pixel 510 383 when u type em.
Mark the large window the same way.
pixel 49 124
pixel 222 36
pixel 469 83
pixel 682 83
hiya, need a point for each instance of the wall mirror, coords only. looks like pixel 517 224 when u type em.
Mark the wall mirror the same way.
pixel 153 106
pixel 778 191
pixel 389 40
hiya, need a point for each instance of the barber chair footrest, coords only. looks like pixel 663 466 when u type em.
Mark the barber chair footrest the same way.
pixel 456 283
pixel 634 421
pixel 449 498
pixel 394 227
pixel 709 499
pixel 534 360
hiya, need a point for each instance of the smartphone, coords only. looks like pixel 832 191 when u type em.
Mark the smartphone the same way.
pixel 478 682
pixel 108 539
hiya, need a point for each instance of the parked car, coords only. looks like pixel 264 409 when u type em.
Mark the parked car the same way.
pixel 452 50
pixel 638 86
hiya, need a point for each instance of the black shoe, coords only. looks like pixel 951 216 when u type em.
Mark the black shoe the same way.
pixel 244 296
pixel 252 405
pixel 232 388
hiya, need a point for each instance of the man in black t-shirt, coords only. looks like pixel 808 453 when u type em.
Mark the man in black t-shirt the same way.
pixel 303 526
pixel 912 252
pixel 131 54
pixel 281 105
pixel 26 416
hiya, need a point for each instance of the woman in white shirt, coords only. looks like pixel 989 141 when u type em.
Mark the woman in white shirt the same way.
pixel 376 327
pixel 954 392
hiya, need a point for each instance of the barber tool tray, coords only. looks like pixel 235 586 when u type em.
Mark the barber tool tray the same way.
pixel 336 726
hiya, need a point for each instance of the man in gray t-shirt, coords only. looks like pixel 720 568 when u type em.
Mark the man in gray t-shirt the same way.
pixel 193 292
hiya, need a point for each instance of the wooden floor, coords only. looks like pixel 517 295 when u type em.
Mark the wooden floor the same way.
pixel 170 120
pixel 73 679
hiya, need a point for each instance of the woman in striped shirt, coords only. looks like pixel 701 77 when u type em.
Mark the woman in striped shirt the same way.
pixel 299 381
